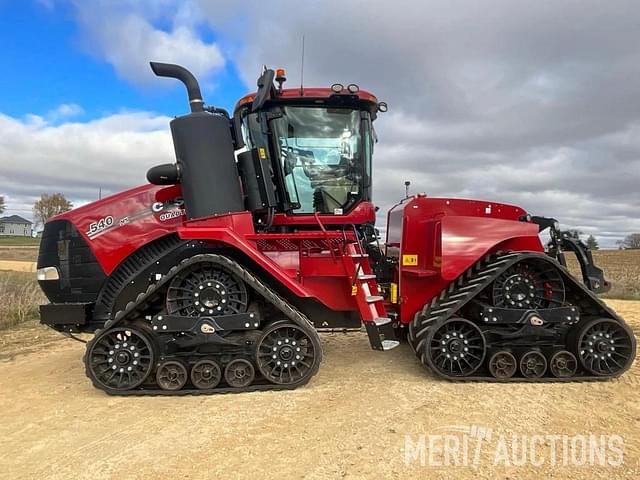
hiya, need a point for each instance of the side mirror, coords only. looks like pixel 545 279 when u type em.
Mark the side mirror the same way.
pixel 383 107
pixel 266 89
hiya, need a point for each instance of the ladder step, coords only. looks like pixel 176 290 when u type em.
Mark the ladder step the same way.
pixel 359 255
pixel 389 344
pixel 365 276
pixel 381 321
pixel 381 334
pixel 373 298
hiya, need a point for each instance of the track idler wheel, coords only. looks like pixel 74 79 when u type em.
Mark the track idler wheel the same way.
pixel 503 365
pixel 455 347
pixel 171 375
pixel 533 364
pixel 239 373
pixel 206 374
pixel 286 354
pixel 605 347
pixel 120 359
pixel 563 364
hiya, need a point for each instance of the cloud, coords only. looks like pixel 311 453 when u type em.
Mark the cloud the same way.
pixel 78 159
pixel 64 111
pixel 532 103
pixel 524 102
pixel 124 34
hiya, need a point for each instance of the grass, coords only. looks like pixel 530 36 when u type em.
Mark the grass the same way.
pixel 18 241
pixel 20 296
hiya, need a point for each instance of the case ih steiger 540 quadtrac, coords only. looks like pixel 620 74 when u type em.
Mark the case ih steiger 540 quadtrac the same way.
pixel 216 275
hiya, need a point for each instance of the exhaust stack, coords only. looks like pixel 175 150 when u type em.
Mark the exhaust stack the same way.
pixel 186 77
pixel 206 166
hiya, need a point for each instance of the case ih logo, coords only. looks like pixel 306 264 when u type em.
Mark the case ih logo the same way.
pixel 170 209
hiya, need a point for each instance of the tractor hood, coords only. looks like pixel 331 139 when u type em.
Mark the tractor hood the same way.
pixel 116 226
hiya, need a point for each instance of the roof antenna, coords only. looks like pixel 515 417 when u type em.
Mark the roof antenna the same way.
pixel 302 69
pixel 406 188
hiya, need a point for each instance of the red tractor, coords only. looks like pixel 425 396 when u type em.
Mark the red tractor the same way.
pixel 216 275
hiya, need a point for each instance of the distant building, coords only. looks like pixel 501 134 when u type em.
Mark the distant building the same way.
pixel 15 225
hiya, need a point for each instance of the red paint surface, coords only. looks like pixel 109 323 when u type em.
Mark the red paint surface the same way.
pixel 447 235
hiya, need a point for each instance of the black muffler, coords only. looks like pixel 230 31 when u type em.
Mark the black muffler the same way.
pixel 206 166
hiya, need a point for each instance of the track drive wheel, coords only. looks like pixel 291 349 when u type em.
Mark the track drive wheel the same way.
pixel 286 354
pixel 120 358
pixel 171 375
pixel 503 365
pixel 206 289
pixel 530 283
pixel 605 347
pixel 455 347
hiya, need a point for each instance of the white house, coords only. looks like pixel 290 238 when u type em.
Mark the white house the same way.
pixel 15 225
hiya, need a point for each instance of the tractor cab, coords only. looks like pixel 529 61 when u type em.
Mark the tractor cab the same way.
pixel 306 151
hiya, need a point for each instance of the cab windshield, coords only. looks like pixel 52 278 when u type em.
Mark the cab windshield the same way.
pixel 325 156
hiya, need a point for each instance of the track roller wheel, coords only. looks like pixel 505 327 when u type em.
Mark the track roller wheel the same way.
pixel 239 373
pixel 455 347
pixel 171 375
pixel 120 359
pixel 533 364
pixel 563 364
pixel 206 374
pixel 503 365
pixel 286 354
pixel 605 347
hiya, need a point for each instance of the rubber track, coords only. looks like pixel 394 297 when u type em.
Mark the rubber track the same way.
pixel 473 281
pixel 134 310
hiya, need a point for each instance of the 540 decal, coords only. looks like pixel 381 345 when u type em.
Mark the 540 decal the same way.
pixel 100 225
pixel 165 211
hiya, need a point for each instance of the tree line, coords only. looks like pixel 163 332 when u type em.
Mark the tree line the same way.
pixel 45 207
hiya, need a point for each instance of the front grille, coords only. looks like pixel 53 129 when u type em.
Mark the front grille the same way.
pixel 81 277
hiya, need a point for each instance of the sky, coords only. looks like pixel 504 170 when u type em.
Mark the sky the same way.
pixel 530 103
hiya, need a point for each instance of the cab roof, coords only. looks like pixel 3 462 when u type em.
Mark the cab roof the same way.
pixel 311 93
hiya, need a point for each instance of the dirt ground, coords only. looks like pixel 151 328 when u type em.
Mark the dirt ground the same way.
pixel 351 421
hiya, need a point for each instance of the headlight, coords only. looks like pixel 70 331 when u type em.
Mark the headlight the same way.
pixel 47 273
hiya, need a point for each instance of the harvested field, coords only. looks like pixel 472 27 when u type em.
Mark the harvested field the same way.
pixel 19 253
pixel 621 268
pixel 351 421
pixel 17 266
